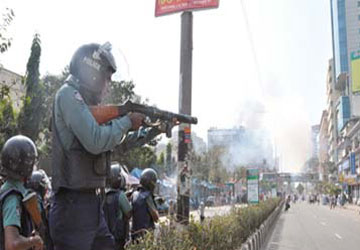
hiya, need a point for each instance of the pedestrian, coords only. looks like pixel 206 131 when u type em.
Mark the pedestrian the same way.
pixel 117 207
pixel 145 214
pixel 81 151
pixel 17 161
pixel 202 211
pixel 171 213
pixel 38 182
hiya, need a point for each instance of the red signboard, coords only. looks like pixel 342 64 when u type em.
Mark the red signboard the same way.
pixel 164 7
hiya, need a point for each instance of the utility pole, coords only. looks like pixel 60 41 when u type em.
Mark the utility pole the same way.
pixel 163 7
pixel 184 172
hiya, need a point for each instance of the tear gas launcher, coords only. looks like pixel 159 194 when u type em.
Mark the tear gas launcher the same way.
pixel 154 116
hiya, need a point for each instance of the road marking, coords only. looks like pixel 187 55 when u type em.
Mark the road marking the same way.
pixel 338 236
pixel 323 223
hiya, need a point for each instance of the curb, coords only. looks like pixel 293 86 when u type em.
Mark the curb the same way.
pixel 258 238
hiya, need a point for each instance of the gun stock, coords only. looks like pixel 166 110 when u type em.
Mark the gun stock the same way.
pixel 31 204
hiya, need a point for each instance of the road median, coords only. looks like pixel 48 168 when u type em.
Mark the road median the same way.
pixel 228 231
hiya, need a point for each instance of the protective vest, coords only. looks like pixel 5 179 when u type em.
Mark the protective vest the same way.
pixel 76 168
pixel 141 214
pixel 117 227
pixel 26 223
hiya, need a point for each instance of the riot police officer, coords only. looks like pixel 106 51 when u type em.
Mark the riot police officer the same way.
pixel 39 183
pixel 17 160
pixel 117 207
pixel 81 149
pixel 145 213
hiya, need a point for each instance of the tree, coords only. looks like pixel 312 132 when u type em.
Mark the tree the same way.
pixel 5 41
pixel 51 84
pixel 300 188
pixel 169 167
pixel 143 157
pixel 33 109
pixel 7 121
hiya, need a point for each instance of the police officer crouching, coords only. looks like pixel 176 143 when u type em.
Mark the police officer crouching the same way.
pixel 17 162
pixel 145 214
pixel 117 208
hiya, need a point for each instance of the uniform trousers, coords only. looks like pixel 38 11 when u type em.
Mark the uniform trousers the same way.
pixel 77 222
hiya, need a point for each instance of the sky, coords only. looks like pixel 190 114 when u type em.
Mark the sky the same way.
pixel 246 54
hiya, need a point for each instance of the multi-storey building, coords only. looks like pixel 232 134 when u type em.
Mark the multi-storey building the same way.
pixel 345 22
pixel 323 147
pixel 315 130
pixel 332 97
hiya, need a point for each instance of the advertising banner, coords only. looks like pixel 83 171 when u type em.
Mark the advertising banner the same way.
pixel 164 7
pixel 355 72
pixel 352 164
pixel 253 186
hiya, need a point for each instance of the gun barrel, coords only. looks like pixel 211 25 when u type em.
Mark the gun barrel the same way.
pixel 165 115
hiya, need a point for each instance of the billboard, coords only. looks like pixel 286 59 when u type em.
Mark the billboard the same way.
pixel 164 7
pixel 355 72
pixel 253 185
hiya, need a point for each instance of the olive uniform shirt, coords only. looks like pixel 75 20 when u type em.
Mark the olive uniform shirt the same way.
pixel 11 210
pixel 73 118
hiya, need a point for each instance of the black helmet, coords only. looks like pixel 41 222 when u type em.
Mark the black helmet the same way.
pixel 18 157
pixel 38 182
pixel 91 64
pixel 148 179
pixel 116 179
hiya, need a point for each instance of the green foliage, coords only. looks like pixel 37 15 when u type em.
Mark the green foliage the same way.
pixel 51 84
pixel 220 232
pixel 142 157
pixel 33 109
pixel 5 41
pixel 328 188
pixel 119 92
pixel 169 168
pixel 7 121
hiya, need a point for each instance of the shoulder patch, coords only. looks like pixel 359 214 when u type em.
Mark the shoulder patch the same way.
pixel 78 97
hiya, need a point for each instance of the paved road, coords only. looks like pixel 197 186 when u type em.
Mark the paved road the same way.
pixel 315 227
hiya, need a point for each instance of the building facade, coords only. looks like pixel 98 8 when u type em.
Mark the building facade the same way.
pixel 323 147
pixel 315 130
pixel 14 82
pixel 345 22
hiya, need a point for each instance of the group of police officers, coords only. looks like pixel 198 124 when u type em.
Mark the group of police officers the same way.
pixel 89 208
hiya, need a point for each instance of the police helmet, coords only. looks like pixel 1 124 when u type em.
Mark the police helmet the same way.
pixel 38 182
pixel 116 179
pixel 148 179
pixel 18 157
pixel 92 64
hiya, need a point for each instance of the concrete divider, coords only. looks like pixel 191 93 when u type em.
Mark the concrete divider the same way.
pixel 257 240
